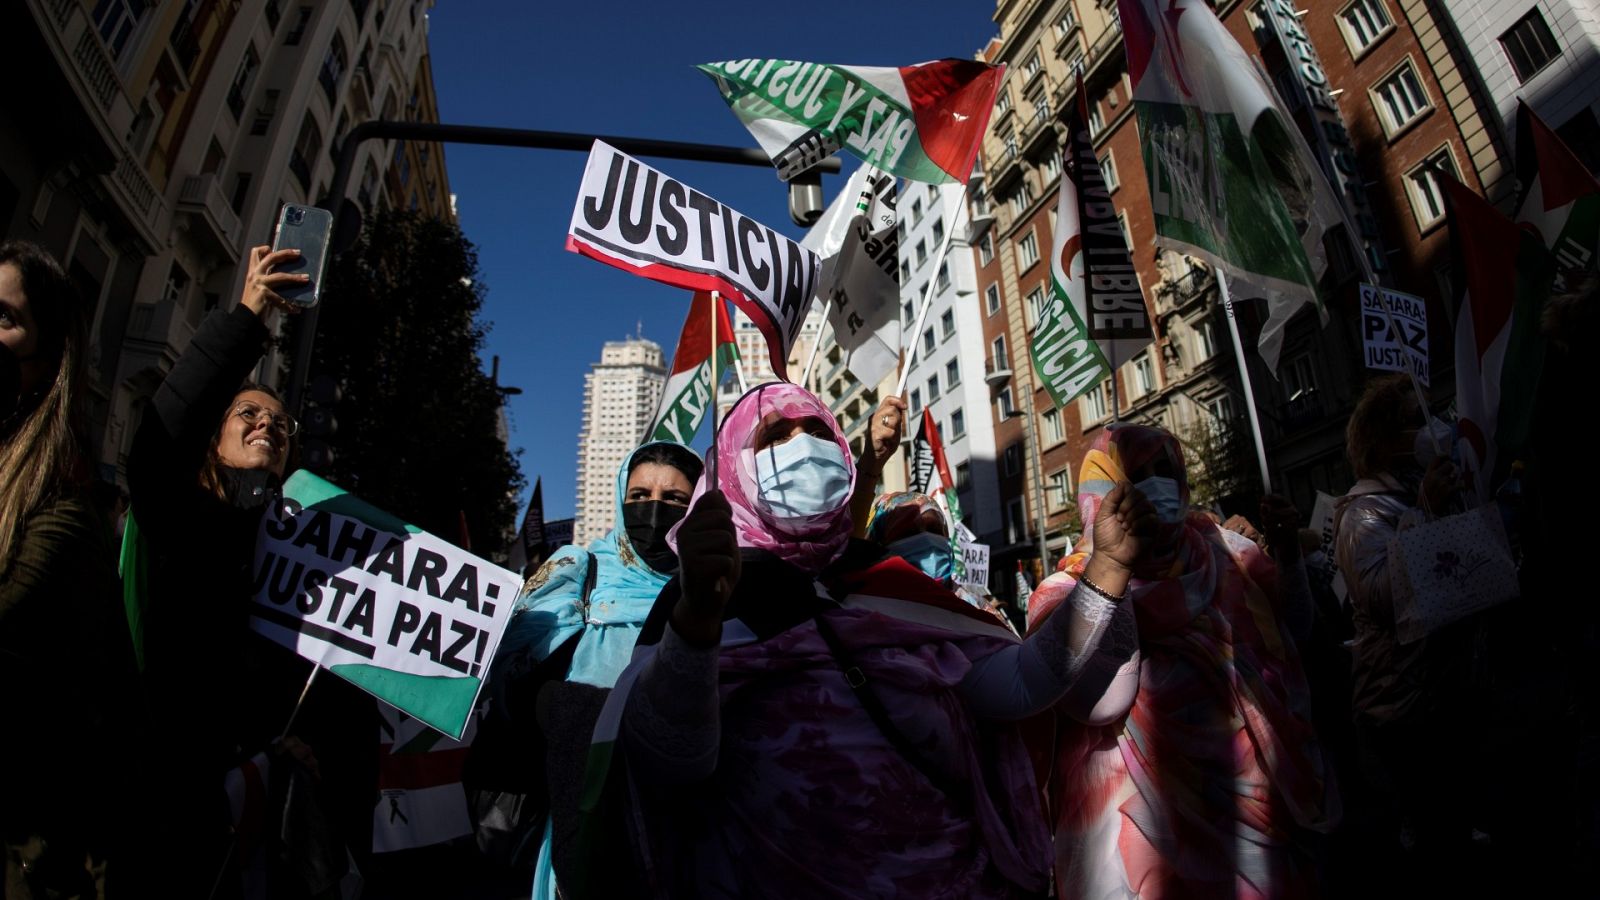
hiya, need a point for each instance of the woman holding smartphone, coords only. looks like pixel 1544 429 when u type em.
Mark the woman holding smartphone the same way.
pixel 209 458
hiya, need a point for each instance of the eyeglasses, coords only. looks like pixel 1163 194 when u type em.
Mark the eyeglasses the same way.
pixel 250 413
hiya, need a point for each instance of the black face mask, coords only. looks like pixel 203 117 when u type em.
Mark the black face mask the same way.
pixel 647 523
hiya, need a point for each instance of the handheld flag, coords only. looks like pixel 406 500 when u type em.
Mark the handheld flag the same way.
pixel 689 389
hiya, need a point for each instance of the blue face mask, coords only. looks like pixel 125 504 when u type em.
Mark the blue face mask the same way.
pixel 803 476
pixel 1164 495
pixel 927 551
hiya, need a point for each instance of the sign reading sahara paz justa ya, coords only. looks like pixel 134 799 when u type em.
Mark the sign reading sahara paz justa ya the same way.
pixel 1384 349
pixel 399 613
pixel 637 219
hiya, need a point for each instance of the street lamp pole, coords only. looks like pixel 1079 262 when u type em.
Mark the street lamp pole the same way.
pixel 1032 443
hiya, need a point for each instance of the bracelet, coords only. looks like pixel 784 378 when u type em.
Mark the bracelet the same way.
pixel 1084 580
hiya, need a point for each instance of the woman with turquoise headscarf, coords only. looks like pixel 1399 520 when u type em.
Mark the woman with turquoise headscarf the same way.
pixel 575 627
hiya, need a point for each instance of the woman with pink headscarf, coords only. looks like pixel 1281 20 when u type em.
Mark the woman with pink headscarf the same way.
pixel 808 717
pixel 1191 769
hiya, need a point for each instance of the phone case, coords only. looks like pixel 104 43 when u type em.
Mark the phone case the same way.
pixel 307 229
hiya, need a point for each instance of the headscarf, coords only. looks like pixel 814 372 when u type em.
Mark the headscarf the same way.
pixel 880 522
pixel 1214 648
pixel 552 606
pixel 808 542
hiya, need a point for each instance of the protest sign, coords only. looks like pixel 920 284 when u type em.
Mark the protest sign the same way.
pixel 402 614
pixel 1384 348
pixel 638 219
pixel 975 562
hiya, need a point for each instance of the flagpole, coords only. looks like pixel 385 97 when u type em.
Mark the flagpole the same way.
pixel 805 377
pixel 1244 376
pixel 715 384
pixel 927 294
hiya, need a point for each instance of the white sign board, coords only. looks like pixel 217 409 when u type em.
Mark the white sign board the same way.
pixel 976 558
pixel 1383 347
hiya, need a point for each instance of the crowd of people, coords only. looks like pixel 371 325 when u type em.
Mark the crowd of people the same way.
pixel 766 680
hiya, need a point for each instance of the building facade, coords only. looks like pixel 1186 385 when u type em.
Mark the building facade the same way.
pixel 157 142
pixel 1381 96
pixel 947 370
pixel 620 396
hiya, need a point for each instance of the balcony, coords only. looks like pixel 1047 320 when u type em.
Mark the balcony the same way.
pixel 1302 410
pixel 1178 294
pixel 162 327
pixel 1036 132
pixel 981 219
pixel 209 216
pixel 1104 45
pixel 997 372
pixel 1007 169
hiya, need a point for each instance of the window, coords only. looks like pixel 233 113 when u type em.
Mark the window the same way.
pixel 986 249
pixel 1219 412
pixel 916 401
pixel 1144 375
pixel 1426 190
pixel 1016 524
pixel 910 313
pixel 963 472
pixel 302 21
pixel 1205 340
pixel 1035 307
pixel 116 20
pixel 274 15
pixel 933 387
pixel 905 273
pixel 1027 251
pixel 958 424
pixel 306 148
pixel 1096 121
pixel 1041 109
pixel 944 276
pixel 1529 45
pixel 1400 99
pixel 1127 230
pixel 1010 142
pixel 1108 168
pixel 241 191
pixel 952 373
pixel 265 112
pixel 1013 459
pixel 991 298
pixel 927 341
pixel 1065 23
pixel 1023 198
pixel 1002 403
pixel 1050 168
pixel 239 91
pixel 922 252
pixel 1032 66
pixel 1057 489
pixel 1002 103
pixel 1299 378
pixel 333 65
pixel 900 232
pixel 916 212
pixel 1094 406
pixel 938 230
pixel 1054 432
pixel 999 358
pixel 947 323
pixel 1364 21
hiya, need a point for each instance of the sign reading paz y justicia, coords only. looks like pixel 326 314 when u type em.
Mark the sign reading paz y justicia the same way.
pixel 1384 349
pixel 399 613
pixel 638 219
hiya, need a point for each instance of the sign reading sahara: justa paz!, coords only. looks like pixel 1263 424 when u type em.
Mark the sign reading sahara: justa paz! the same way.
pixel 394 610
pixel 638 219
pixel 1386 349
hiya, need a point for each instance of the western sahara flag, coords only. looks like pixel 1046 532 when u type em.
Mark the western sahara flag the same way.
pixel 1097 310
pixel 930 475
pixel 1231 180
pixel 1502 274
pixel 688 392
pixel 1560 199
pixel 860 281
pixel 921 122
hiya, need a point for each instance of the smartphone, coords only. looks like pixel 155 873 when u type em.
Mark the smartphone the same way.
pixel 307 229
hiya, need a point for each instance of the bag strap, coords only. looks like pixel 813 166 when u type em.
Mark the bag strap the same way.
pixel 959 792
pixel 589 576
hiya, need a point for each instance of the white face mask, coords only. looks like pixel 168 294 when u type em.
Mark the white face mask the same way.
pixel 1423 446
pixel 1164 494
pixel 803 476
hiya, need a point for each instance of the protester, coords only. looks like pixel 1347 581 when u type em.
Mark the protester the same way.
pixel 576 627
pixel 910 525
pixel 1407 714
pixel 1186 759
pixel 857 739
pixel 207 461
pixel 883 442
pixel 64 652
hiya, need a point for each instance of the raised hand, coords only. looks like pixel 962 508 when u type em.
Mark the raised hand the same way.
pixel 708 569
pixel 1123 528
pixel 261 282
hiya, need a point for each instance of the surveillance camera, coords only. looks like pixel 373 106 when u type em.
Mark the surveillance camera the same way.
pixel 805 198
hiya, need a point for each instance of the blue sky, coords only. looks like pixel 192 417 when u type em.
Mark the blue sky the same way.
pixel 621 67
